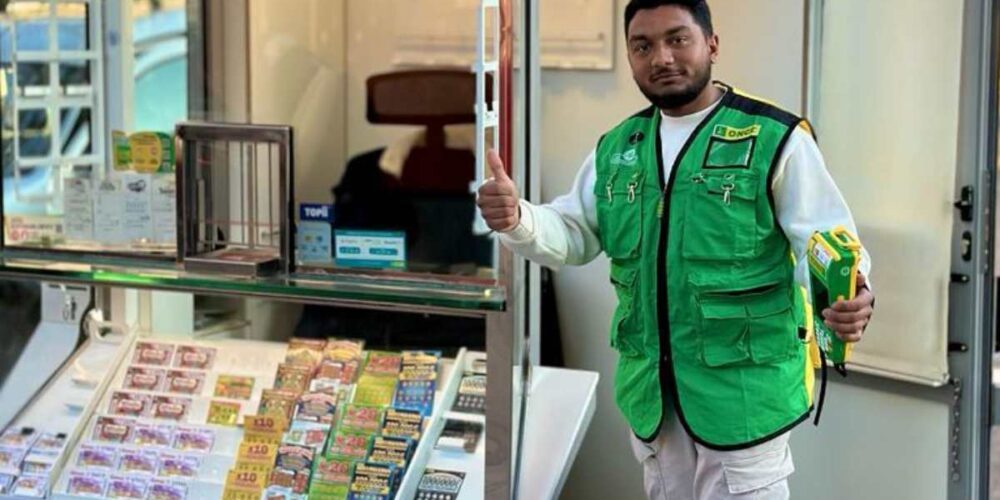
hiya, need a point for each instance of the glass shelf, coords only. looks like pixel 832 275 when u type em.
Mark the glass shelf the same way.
pixel 372 290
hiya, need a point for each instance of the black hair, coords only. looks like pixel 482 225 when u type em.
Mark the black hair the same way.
pixel 698 8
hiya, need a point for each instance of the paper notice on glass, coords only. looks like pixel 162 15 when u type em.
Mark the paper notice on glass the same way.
pixel 164 208
pixel 109 213
pixel 33 229
pixel 138 207
pixel 78 209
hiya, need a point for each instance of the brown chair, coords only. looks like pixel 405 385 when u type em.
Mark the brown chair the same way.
pixel 433 99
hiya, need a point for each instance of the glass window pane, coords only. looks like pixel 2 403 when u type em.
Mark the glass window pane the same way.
pixel 159 36
pixel 28 192
pixel 31 25
pixel 33 78
pixel 33 135
pixel 6 41
pixel 72 26
pixel 421 191
pixel 75 128
pixel 74 77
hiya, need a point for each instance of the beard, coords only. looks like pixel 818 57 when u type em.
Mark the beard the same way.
pixel 677 98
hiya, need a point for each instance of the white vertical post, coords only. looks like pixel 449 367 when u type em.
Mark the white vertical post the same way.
pixel 487 119
pixel 119 59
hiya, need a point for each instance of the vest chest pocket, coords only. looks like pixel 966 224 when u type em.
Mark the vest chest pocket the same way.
pixel 619 211
pixel 625 326
pixel 749 327
pixel 721 222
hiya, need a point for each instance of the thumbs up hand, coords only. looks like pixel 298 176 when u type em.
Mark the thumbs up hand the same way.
pixel 498 199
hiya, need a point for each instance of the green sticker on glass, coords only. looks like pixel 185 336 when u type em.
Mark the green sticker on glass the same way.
pixel 122 151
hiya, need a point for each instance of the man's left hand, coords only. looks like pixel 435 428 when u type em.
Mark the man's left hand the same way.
pixel 850 317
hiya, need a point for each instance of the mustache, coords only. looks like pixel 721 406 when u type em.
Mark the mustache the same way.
pixel 666 72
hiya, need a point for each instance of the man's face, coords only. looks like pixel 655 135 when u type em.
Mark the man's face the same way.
pixel 670 55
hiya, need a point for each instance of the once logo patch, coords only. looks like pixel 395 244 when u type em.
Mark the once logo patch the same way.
pixel 735 134
pixel 636 138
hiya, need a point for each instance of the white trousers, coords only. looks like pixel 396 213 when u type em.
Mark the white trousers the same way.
pixel 677 468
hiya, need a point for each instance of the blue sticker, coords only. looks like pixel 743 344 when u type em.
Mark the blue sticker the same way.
pixel 314 234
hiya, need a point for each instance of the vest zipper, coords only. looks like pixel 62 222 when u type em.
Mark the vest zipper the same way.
pixel 668 379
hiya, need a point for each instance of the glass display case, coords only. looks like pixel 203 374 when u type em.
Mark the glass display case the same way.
pixel 356 365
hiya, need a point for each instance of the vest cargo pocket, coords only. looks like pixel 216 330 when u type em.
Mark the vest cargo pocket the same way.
pixel 619 211
pixel 721 222
pixel 773 327
pixel 625 326
pixel 724 330
pixel 755 327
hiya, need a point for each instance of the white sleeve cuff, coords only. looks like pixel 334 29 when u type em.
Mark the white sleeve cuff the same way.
pixel 524 231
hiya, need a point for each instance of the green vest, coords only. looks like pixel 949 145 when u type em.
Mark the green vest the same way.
pixel 708 311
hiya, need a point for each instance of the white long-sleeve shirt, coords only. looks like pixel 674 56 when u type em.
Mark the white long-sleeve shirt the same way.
pixel 565 231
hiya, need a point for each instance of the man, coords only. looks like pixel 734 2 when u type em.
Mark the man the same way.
pixel 704 203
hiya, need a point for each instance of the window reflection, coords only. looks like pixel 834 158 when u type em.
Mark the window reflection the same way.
pixel 34 136
pixel 74 77
pixel 31 25
pixel 32 78
pixel 49 40
pixel 71 26
pixel 159 36
pixel 75 130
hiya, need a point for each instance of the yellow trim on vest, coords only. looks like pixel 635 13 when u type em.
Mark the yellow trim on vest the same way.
pixel 810 379
pixel 812 358
pixel 804 124
pixel 809 326
pixel 807 127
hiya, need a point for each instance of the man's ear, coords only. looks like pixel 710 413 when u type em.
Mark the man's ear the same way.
pixel 713 47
